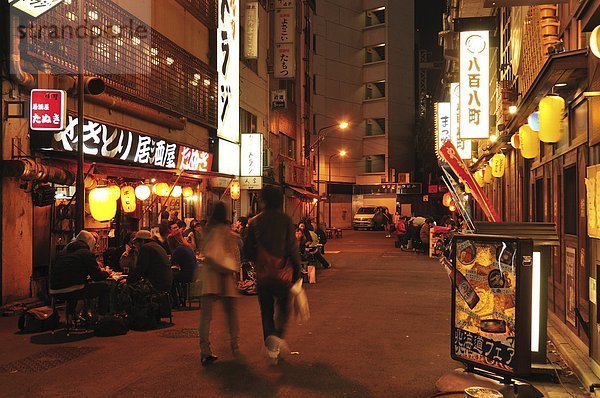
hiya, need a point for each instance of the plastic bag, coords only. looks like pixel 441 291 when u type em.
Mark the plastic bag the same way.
pixel 301 308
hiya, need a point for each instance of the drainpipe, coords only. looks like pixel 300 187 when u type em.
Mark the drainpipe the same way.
pixel 30 170
pixel 19 75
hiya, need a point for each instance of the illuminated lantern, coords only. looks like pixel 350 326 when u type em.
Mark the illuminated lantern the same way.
pixel 187 192
pixel 534 121
pixel 116 191
pixel 530 142
pixel 487 174
pixel 234 190
pixel 128 199
pixel 161 189
pixel 498 164
pixel 478 176
pixel 90 182
pixel 176 191
pixel 452 208
pixel 552 108
pixel 103 204
pixel 515 141
pixel 142 192
pixel 447 199
pixel 594 41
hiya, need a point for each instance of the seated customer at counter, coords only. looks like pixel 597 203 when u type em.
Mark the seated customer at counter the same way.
pixel 153 263
pixel 69 274
pixel 184 258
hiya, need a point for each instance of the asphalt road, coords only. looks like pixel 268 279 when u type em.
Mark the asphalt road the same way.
pixel 379 328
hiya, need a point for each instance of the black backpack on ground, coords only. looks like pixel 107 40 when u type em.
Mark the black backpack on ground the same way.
pixel 38 320
pixel 143 304
pixel 111 325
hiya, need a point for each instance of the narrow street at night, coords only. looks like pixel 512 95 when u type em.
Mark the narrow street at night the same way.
pixel 379 327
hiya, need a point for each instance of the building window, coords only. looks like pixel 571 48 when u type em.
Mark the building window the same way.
pixel 375 53
pixel 248 121
pixel 375 126
pixel 375 90
pixel 375 164
pixel 287 146
pixel 375 16
pixel 570 206
pixel 290 89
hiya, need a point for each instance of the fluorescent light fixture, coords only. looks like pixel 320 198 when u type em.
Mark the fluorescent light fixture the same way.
pixel 536 291
pixel 560 84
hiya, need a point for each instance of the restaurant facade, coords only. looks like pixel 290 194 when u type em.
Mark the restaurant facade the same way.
pixel 541 52
pixel 150 112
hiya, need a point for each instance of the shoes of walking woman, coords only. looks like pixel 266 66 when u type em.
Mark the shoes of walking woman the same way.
pixel 274 346
pixel 208 359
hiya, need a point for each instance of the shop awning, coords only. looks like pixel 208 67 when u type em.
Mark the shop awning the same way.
pixel 303 192
pixel 568 67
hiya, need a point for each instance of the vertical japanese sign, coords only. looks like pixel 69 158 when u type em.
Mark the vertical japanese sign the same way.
pixel 285 36
pixel 442 124
pixel 48 110
pixel 474 84
pixel 251 155
pixel 462 146
pixel 251 31
pixel 484 303
pixel 228 69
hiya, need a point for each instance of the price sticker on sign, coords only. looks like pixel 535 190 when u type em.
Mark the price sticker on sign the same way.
pixel 48 110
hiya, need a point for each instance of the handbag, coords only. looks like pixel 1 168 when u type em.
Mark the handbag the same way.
pixel 270 268
pixel 38 320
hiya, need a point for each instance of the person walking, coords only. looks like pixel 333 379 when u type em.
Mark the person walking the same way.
pixel 272 246
pixel 222 257
pixel 387 222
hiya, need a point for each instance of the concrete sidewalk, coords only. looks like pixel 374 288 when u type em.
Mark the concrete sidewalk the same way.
pixel 379 328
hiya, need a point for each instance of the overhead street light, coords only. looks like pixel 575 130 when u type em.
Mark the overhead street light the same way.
pixel 317 144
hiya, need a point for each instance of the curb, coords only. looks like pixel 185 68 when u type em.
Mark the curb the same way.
pixel 573 351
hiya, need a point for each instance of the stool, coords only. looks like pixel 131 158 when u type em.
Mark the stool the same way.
pixel 329 232
pixel 338 232
pixel 68 315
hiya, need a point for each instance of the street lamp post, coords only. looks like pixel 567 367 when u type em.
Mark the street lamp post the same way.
pixel 341 154
pixel 317 144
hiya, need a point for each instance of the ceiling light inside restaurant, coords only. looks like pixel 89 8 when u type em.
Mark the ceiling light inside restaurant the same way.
pixel 560 84
pixel 512 109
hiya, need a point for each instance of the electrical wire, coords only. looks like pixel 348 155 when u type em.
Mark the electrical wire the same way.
pixel 554 365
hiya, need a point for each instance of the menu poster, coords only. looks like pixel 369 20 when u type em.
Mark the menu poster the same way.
pixel 485 303
pixel 592 187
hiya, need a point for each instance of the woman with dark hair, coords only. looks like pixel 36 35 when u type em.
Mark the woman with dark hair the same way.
pixel 217 280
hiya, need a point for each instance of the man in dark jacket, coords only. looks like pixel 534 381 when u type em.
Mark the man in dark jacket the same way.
pixel 271 235
pixel 153 263
pixel 70 271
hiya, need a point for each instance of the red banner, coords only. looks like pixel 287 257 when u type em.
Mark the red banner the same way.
pixel 451 156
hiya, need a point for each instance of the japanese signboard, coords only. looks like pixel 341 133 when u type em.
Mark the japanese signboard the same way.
pixel 251 183
pixel 194 159
pixel 462 146
pixel 285 25
pixel 278 99
pixel 442 124
pixel 229 157
pixel 34 8
pixel 251 160
pixel 113 142
pixel 285 36
pixel 228 70
pixel 48 110
pixel 474 84
pixel 251 31
pixel 490 322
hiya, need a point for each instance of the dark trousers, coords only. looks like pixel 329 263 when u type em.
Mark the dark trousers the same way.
pixel 90 291
pixel 274 303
